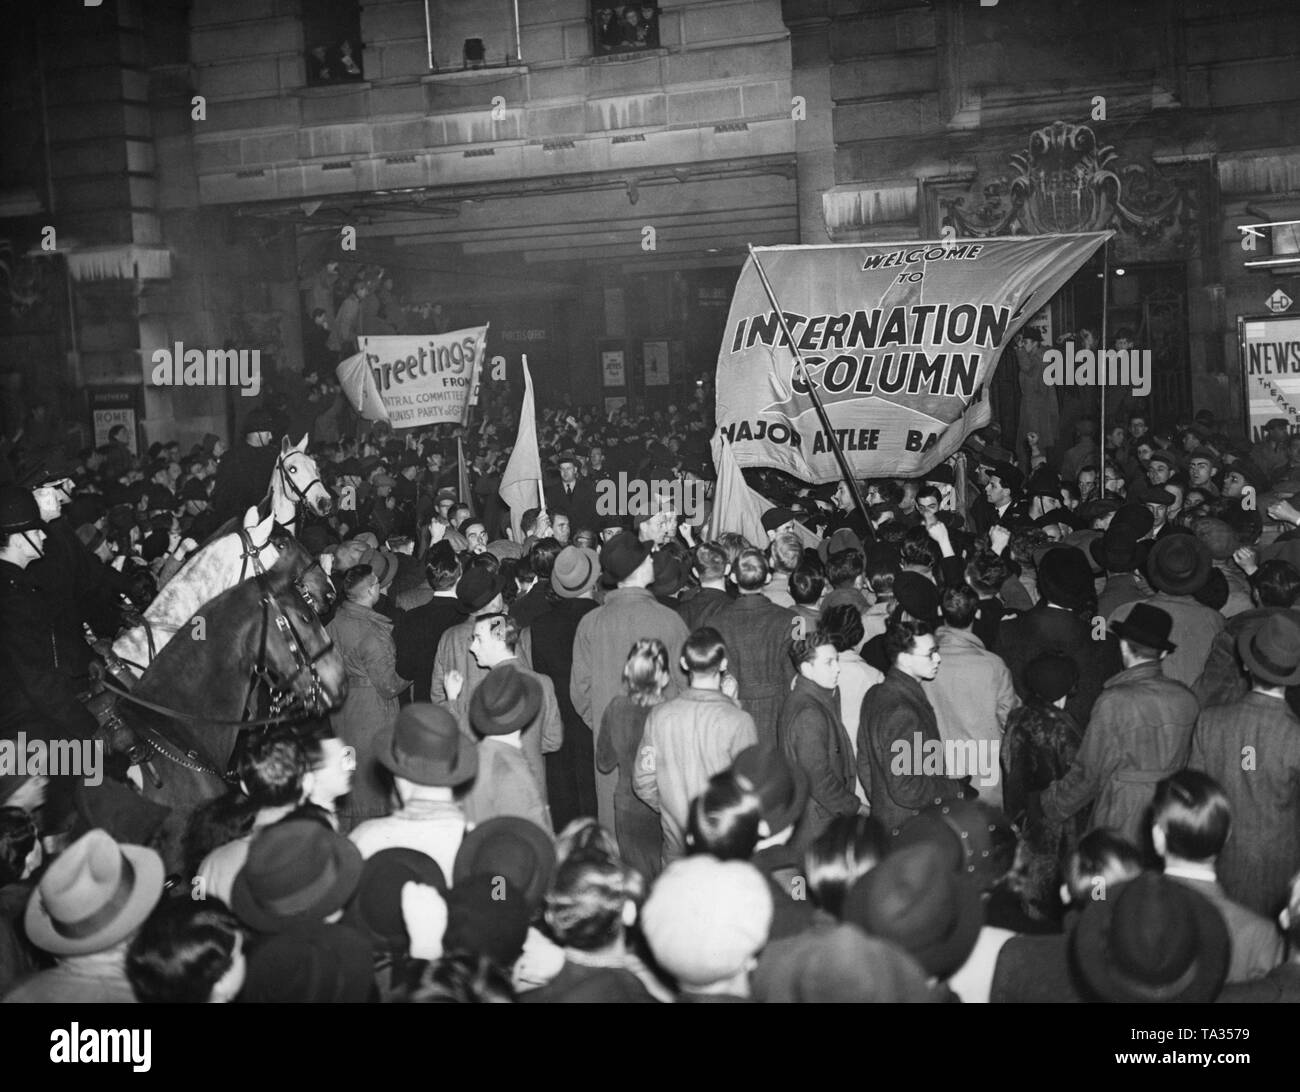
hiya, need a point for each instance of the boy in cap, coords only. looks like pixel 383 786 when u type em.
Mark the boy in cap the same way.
pixel 505 704
pixel 706 921
pixel 494 647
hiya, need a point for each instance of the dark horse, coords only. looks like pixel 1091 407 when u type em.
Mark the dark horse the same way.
pixel 207 679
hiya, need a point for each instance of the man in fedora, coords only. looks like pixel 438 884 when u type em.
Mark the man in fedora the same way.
pixel 572 494
pixel 1140 732
pixel 495 644
pixel 600 645
pixel 1178 567
pixel 1151 941
pixel 429 758
pixel 299 874
pixel 506 704
pixel 1262 852
pixel 90 903
pixel 571 770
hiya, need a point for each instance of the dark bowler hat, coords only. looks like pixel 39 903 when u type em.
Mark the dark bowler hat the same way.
pixel 477 588
pixel 1270 649
pixel 505 701
pixel 376 910
pixel 1065 578
pixel 1118 550
pixel 511 847
pixel 917 595
pixel 1146 625
pixel 1179 564
pixel 426 746
pixel 1154 940
pixel 623 554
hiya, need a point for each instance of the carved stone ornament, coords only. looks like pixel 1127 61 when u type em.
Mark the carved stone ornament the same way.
pixel 1066 181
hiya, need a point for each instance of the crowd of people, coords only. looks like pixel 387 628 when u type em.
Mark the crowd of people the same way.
pixel 1023 729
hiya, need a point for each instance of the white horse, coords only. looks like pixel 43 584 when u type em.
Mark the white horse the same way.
pixel 294 482
pixel 227 560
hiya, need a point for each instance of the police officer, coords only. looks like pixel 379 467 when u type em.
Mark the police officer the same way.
pixel 38 675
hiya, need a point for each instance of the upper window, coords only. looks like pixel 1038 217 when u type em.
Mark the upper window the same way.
pixel 623 28
pixel 464 36
pixel 332 33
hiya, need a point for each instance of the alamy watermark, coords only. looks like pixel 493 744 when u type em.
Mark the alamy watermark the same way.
pixel 23 757
pixel 978 759
pixel 626 496
pixel 182 367
pixel 1103 367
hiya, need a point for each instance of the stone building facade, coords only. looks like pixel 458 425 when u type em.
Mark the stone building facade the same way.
pixel 586 192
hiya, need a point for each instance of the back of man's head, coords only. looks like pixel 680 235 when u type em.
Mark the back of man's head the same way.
pixel 1193 811
pixel 919 549
pixel 986 573
pixel 807 583
pixel 750 571
pixel 272 767
pixel 710 562
pixel 442 567
pixel 959 605
pixel 1102 859
pixel 787 552
pixel 704 652
pixel 542 557
pixel 1277 584
pixel 843 567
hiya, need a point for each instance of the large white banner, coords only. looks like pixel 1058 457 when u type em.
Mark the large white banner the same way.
pixel 417 380
pixel 900 339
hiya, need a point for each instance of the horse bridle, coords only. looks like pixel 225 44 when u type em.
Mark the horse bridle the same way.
pixel 282 468
pixel 273 614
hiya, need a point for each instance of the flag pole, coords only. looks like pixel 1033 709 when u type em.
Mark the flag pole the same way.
pixel 1101 347
pixel 812 390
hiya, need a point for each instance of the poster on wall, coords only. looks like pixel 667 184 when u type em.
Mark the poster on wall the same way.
pixel 612 368
pixel 655 356
pixel 1042 322
pixel 113 406
pixel 1270 371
